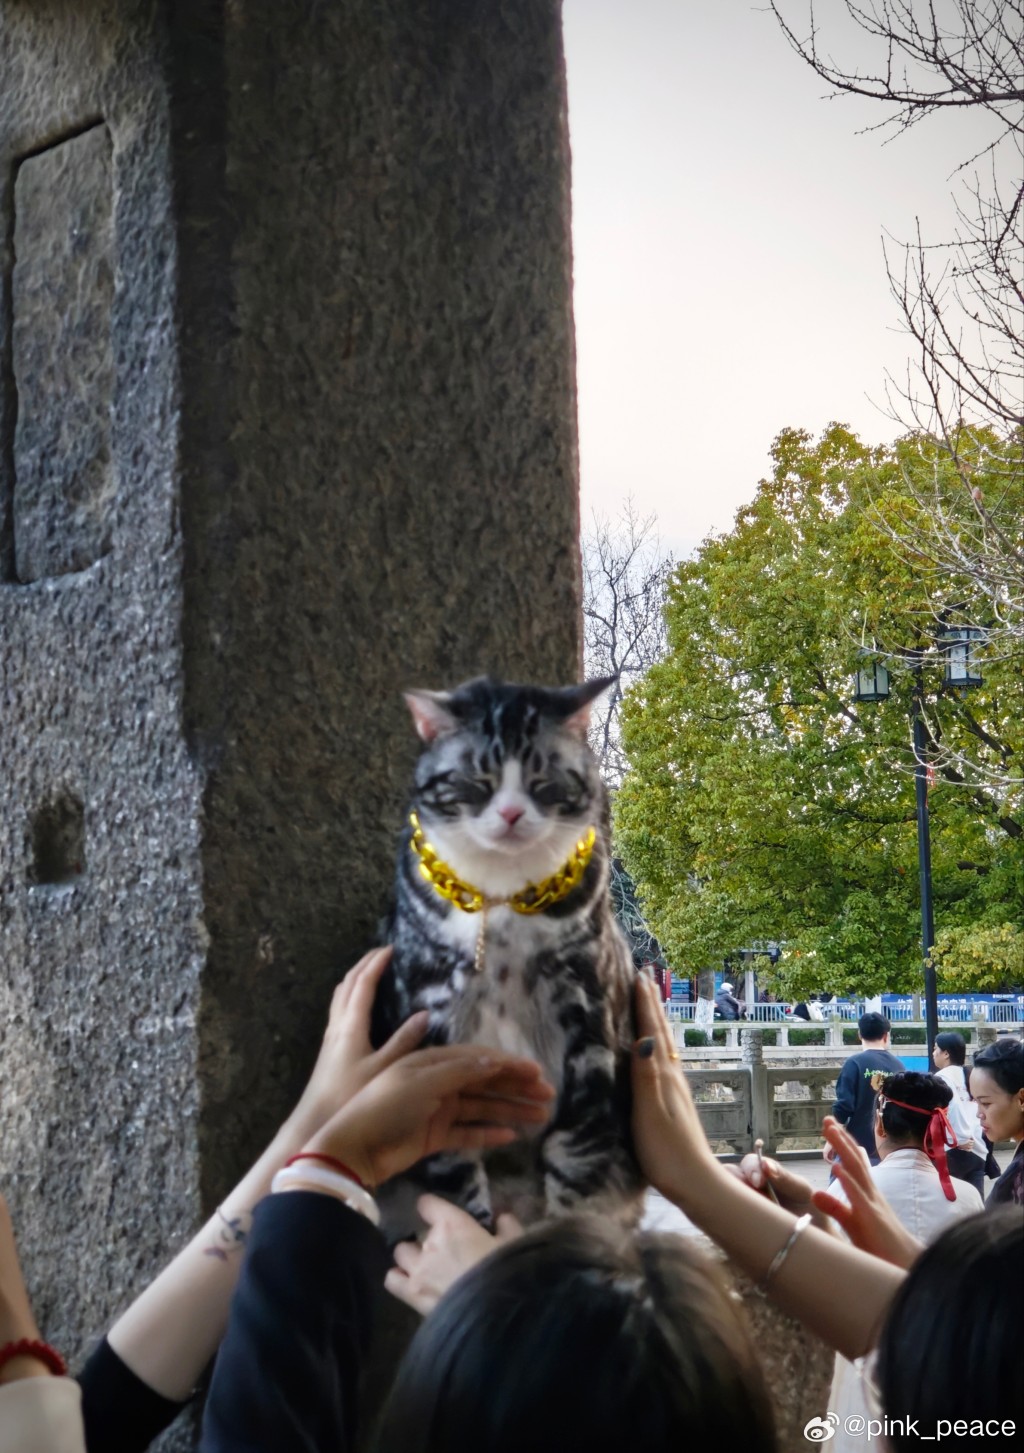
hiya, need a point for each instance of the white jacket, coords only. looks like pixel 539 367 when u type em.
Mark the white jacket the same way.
pixel 962 1111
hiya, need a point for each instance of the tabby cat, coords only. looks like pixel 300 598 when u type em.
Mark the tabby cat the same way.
pixel 509 820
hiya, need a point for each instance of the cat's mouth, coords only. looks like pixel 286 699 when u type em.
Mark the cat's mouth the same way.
pixel 512 833
pixel 511 841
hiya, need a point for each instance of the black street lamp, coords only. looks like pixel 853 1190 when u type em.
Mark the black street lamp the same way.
pixel 871 683
pixel 955 644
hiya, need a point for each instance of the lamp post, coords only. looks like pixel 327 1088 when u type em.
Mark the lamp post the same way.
pixel 871 683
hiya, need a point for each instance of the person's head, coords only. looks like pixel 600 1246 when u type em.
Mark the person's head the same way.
pixel 580 1335
pixel 898 1127
pixel 950 1048
pixel 950 1347
pixel 997 1084
pixel 726 988
pixel 873 1028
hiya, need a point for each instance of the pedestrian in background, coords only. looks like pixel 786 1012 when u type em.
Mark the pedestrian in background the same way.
pixel 966 1160
pixel 854 1105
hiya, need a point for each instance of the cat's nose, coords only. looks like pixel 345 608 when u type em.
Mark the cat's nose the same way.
pixel 510 813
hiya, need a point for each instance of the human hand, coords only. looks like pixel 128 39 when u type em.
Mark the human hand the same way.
pixel 454 1242
pixel 667 1134
pixel 791 1191
pixel 868 1219
pixel 347 1061
pixel 450 1097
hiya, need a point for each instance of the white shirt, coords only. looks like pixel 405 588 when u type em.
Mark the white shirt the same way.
pixel 911 1185
pixel 41 1415
pixel 962 1111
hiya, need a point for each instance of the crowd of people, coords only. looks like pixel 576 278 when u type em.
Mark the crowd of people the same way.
pixel 574 1333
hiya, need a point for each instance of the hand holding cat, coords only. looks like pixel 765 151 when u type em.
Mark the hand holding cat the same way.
pixel 451 1097
pixel 667 1134
pixel 454 1242
pixel 347 1061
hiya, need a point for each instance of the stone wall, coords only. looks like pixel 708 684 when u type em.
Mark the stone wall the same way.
pixel 286 423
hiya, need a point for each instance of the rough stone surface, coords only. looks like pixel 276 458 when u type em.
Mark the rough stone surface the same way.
pixel 342 440
pixel 63 285
pixel 100 969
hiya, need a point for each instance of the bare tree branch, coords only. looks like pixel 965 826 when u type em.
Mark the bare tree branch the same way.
pixel 961 304
pixel 624 576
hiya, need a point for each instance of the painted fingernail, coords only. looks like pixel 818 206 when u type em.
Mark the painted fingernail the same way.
pixel 645 1048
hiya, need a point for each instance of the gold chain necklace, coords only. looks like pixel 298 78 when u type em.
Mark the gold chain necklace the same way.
pixel 534 898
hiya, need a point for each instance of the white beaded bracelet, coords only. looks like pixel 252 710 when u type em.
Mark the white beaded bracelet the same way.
pixel 328 1180
pixel 780 1256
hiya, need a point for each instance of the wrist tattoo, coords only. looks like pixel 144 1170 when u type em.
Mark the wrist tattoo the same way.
pixel 229 1236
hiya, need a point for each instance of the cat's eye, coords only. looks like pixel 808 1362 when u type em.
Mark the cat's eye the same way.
pixel 548 794
pixel 471 791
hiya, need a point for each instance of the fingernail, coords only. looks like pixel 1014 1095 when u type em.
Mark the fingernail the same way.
pixel 757 1178
pixel 645 1048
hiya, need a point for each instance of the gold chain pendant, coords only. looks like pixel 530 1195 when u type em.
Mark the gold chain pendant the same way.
pixel 534 898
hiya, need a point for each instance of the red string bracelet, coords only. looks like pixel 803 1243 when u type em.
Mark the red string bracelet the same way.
pixel 41 1351
pixel 333 1162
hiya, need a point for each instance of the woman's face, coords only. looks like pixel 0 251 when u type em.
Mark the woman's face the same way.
pixel 940 1057
pixel 1001 1114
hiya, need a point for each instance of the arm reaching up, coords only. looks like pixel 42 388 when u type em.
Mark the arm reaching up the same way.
pixel 305 1297
pixel 839 1292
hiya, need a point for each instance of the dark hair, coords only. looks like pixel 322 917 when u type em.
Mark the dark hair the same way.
pixel 954 1045
pixel 950 1347
pixel 921 1091
pixel 873 1026
pixel 1004 1061
pixel 581 1335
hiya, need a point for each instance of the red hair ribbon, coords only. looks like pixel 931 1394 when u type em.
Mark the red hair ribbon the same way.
pixel 937 1133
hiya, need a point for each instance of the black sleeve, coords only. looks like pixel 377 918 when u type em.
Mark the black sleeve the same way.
pixel 121 1413
pixel 846 1092
pixel 287 1372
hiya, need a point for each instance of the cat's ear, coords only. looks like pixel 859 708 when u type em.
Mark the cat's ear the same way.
pixel 577 702
pixel 430 712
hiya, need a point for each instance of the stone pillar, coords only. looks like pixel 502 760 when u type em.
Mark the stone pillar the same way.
pixel 760 1107
pixel 287 422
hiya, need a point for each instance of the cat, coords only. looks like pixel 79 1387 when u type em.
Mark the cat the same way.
pixel 508 796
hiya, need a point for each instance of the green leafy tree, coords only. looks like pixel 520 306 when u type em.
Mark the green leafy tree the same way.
pixel 761 801
pixel 979 956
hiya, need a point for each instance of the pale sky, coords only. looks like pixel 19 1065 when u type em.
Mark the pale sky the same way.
pixel 727 229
